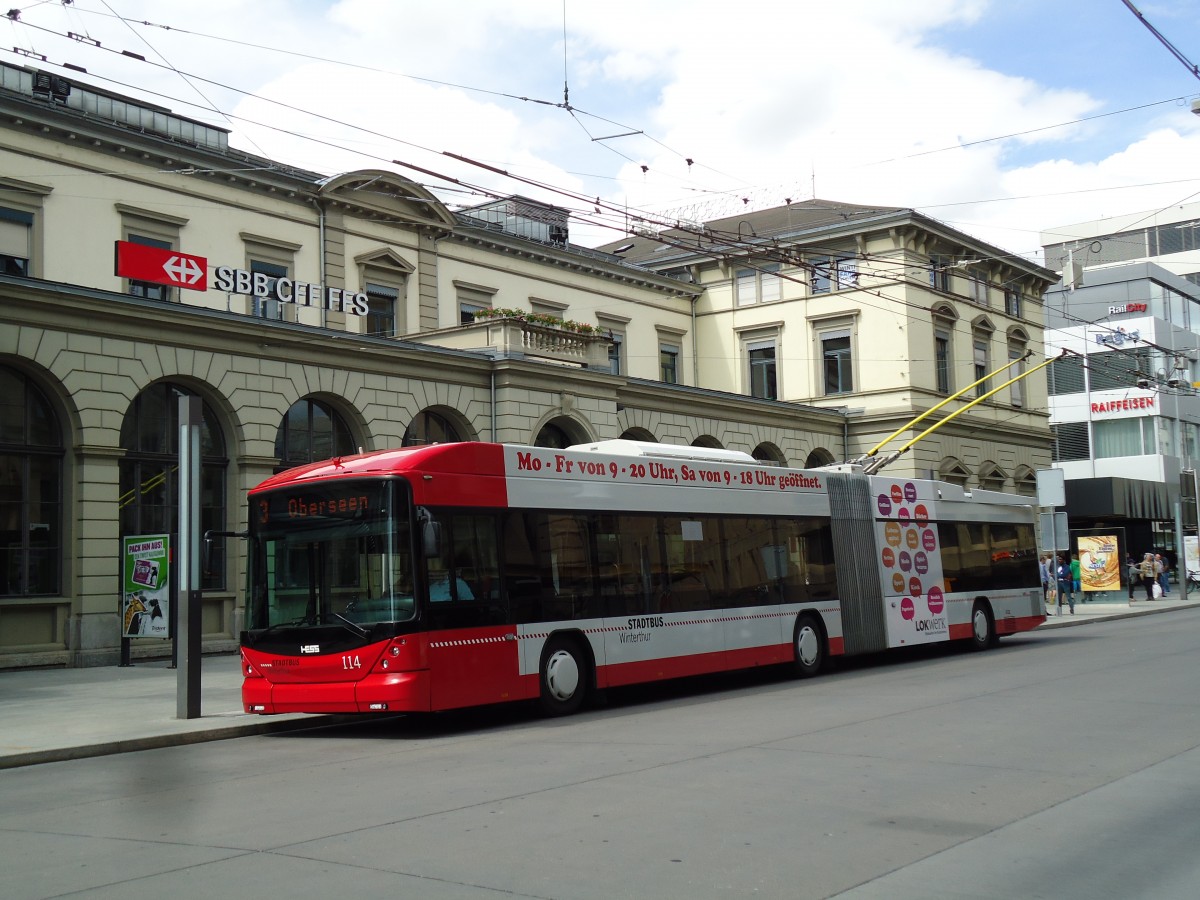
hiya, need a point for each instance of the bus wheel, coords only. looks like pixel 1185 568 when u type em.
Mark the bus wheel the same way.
pixel 563 677
pixel 808 645
pixel 983 629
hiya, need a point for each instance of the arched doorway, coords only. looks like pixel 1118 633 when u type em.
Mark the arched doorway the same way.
pixel 818 457
pixel 638 434
pixel 31 476
pixel 149 500
pixel 430 426
pixel 560 433
pixel 312 430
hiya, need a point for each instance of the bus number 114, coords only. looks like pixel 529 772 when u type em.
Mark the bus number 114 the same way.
pixel 351 662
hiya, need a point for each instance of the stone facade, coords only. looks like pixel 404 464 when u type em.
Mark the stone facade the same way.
pixel 86 353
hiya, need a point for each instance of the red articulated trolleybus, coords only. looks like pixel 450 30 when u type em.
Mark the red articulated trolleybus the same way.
pixel 454 575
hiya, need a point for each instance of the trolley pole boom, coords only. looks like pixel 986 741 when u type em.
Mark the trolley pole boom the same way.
pixel 875 465
pixel 911 422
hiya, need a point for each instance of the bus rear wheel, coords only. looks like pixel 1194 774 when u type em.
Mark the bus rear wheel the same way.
pixel 983 628
pixel 808 646
pixel 564 677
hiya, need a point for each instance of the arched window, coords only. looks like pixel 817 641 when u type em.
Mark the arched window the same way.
pixel 553 436
pixel 768 453
pixel 149 501
pixel 312 431
pixel 638 434
pixel 429 427
pixel 707 440
pixel 818 457
pixel 31 461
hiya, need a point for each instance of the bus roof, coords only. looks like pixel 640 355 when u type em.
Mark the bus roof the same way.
pixel 463 456
pixel 484 474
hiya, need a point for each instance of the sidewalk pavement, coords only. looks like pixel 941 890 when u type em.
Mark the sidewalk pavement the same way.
pixel 50 715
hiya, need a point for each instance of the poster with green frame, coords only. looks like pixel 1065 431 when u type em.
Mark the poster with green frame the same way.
pixel 146 586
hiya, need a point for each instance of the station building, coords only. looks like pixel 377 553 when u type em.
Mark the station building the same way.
pixel 142 258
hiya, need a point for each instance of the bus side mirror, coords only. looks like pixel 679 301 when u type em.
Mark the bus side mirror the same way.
pixel 207 550
pixel 431 534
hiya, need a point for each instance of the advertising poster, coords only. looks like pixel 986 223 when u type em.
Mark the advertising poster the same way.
pixel 1099 563
pixel 910 565
pixel 145 586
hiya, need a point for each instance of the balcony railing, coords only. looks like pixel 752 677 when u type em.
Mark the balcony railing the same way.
pixel 517 338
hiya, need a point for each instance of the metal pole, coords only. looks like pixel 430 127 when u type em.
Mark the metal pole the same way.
pixel 187 677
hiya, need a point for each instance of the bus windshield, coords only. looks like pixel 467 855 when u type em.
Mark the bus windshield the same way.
pixel 329 554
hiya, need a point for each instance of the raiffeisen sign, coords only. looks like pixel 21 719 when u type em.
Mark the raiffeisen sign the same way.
pixel 140 262
pixel 1124 404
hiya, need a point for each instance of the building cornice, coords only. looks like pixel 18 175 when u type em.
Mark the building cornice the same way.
pixel 580 262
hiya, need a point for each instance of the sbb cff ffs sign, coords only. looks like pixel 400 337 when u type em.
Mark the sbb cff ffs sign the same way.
pixel 139 262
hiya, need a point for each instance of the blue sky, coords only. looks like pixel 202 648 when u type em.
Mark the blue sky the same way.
pixel 1096 46
pixel 771 99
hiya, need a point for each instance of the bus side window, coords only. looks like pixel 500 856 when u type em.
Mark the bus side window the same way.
pixel 475 555
pixel 570 567
pixel 460 581
pixel 808 561
pixel 695 556
pixel 631 572
pixel 522 569
pixel 753 570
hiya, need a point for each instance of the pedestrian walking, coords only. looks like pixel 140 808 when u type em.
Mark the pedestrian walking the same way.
pixel 1044 566
pixel 1132 573
pixel 1160 573
pixel 1075 572
pixel 1051 569
pixel 1146 574
pixel 1064 584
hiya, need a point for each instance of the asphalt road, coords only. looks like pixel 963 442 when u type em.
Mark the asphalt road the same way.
pixel 1063 764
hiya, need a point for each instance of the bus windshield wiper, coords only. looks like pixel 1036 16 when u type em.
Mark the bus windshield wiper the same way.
pixel 350 625
pixel 303 620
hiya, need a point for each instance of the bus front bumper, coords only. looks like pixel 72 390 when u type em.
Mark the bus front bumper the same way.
pixel 377 692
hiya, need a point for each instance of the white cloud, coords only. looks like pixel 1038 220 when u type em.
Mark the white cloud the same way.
pixel 767 98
